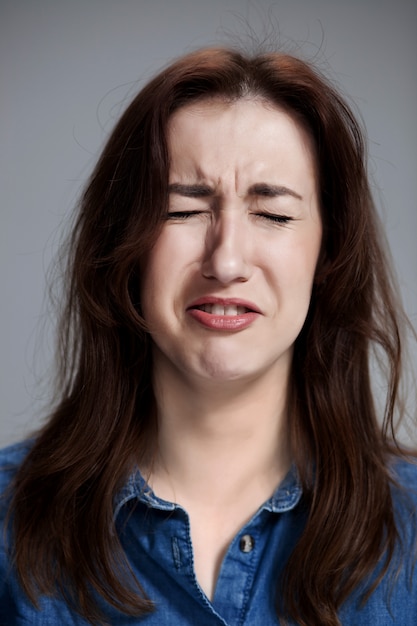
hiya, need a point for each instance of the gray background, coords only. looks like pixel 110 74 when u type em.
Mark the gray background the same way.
pixel 68 68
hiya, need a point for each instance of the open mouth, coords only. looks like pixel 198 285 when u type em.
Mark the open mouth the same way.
pixel 220 309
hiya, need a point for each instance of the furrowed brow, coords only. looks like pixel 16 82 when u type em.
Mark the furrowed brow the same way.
pixel 266 190
pixel 191 191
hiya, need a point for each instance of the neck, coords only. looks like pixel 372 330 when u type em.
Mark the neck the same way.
pixel 219 441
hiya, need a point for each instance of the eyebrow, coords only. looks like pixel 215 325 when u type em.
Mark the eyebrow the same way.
pixel 265 190
pixel 191 191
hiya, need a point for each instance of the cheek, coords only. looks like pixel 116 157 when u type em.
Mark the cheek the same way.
pixel 163 272
pixel 293 272
pixel 308 250
pixel 295 260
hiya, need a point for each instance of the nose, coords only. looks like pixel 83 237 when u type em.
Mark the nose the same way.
pixel 227 249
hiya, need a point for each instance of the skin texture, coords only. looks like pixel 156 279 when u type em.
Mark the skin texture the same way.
pixel 225 245
pixel 226 291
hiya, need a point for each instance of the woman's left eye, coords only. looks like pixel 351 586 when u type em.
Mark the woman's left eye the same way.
pixel 275 218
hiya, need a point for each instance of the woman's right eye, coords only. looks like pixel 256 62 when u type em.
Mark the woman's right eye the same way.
pixel 182 215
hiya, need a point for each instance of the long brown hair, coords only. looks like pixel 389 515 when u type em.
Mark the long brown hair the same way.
pixel 64 533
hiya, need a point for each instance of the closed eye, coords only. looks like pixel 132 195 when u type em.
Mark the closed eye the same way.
pixel 182 215
pixel 276 219
pixel 269 217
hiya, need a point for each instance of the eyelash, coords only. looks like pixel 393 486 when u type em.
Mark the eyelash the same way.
pixel 271 217
pixel 276 219
pixel 182 215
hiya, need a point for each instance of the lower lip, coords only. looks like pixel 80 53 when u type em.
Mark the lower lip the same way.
pixel 228 323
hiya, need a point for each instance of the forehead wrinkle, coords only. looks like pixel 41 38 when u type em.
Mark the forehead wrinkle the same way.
pixel 225 177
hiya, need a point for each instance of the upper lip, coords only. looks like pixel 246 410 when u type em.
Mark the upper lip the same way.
pixel 224 301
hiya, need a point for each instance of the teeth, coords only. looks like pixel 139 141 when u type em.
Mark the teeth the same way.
pixel 230 309
pixel 220 309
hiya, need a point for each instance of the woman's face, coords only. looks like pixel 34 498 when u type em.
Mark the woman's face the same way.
pixel 227 286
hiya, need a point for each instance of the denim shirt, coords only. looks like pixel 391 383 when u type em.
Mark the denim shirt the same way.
pixel 156 537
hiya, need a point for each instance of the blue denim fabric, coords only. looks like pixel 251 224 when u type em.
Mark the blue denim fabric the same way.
pixel 156 537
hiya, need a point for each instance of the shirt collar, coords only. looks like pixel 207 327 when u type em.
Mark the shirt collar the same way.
pixel 287 495
pixel 285 498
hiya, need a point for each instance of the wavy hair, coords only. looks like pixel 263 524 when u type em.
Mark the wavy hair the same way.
pixel 64 534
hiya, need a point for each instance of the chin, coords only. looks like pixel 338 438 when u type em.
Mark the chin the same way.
pixel 223 371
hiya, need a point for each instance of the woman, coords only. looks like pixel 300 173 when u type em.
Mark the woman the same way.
pixel 215 456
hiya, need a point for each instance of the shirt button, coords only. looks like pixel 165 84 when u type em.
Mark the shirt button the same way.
pixel 246 543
